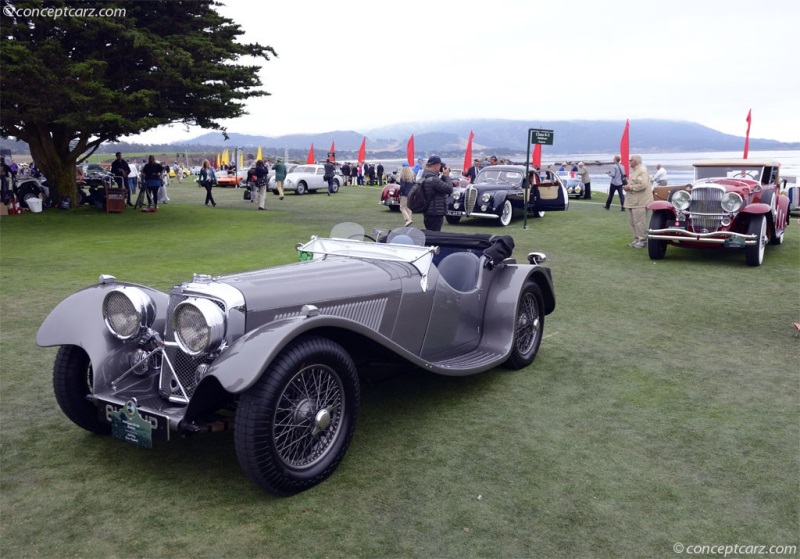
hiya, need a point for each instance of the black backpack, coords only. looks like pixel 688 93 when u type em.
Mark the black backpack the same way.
pixel 417 202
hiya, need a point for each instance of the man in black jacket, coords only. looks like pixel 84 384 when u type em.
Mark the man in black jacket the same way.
pixel 120 169
pixel 379 172
pixel 330 171
pixel 437 189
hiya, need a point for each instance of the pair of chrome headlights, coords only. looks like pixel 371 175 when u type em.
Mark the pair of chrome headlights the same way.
pixel 731 201
pixel 199 323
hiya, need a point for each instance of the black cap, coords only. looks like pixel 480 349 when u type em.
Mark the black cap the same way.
pixel 434 160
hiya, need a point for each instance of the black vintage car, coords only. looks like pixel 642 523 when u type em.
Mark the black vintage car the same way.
pixel 498 193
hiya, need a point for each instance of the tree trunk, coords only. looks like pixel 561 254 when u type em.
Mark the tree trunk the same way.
pixel 51 152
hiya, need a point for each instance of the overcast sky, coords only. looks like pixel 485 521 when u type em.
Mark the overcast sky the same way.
pixel 358 65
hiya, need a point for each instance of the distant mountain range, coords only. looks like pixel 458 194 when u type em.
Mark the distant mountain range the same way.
pixel 508 136
pixel 449 138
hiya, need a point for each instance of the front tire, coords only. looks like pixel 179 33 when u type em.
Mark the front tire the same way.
pixel 453 219
pixel 656 249
pixel 335 188
pixel 528 327
pixel 754 254
pixel 73 380
pixel 506 214
pixel 293 426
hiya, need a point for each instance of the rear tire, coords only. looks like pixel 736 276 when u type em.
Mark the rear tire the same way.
pixel 528 327
pixel 293 426
pixel 754 255
pixel 301 188
pixel 73 380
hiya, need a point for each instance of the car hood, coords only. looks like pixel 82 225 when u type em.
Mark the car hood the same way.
pixel 317 282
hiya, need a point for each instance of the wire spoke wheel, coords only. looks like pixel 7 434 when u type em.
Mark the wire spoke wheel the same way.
pixel 528 327
pixel 308 416
pixel 293 426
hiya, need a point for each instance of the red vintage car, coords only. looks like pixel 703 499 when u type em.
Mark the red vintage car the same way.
pixel 390 195
pixel 732 204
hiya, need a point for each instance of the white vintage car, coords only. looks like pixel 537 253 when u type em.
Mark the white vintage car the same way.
pixel 307 178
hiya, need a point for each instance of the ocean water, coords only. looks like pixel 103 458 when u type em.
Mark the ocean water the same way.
pixel 678 165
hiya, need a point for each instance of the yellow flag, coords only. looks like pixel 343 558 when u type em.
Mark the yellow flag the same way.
pixel 241 161
pixel 225 157
pixel 219 161
pixel 258 155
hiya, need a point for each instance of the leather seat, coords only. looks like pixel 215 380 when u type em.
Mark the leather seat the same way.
pixel 460 270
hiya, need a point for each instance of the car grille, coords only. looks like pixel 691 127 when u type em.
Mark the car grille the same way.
pixel 183 364
pixel 470 198
pixel 705 209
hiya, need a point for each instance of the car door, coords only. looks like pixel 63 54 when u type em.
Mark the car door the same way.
pixel 319 181
pixel 548 194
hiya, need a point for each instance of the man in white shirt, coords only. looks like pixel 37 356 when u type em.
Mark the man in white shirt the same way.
pixel 660 178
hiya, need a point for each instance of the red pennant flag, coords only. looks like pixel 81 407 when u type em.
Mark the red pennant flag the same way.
pixel 410 150
pixel 537 156
pixel 468 153
pixel 332 153
pixel 624 148
pixel 362 153
pixel 747 137
pixel 310 158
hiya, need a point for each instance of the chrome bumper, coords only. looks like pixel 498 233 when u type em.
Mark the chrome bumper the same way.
pixel 713 238
pixel 459 213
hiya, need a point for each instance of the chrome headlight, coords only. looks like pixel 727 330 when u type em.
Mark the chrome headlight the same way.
pixel 199 326
pixel 127 311
pixel 731 202
pixel 457 195
pixel 485 197
pixel 681 200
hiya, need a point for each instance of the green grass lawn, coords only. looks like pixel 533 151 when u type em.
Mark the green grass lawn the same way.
pixel 662 407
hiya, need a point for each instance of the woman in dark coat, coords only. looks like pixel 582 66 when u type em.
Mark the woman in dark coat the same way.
pixel 152 179
pixel 207 180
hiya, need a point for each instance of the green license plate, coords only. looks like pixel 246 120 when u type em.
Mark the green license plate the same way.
pixel 734 243
pixel 128 424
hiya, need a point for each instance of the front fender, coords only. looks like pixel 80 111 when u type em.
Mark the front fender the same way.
pixel 498 200
pixel 78 320
pixel 243 363
pixel 661 205
pixel 757 209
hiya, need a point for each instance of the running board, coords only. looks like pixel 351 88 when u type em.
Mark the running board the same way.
pixel 478 358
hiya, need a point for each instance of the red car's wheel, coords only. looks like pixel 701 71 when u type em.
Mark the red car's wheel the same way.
pixel 754 254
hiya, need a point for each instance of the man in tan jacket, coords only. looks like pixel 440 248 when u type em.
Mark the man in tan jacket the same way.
pixel 639 195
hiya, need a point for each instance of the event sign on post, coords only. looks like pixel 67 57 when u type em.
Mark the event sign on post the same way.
pixel 536 136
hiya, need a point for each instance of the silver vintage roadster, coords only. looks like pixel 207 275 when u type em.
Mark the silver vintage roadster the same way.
pixel 271 356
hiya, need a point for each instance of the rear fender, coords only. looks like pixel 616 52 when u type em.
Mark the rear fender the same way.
pixel 503 299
